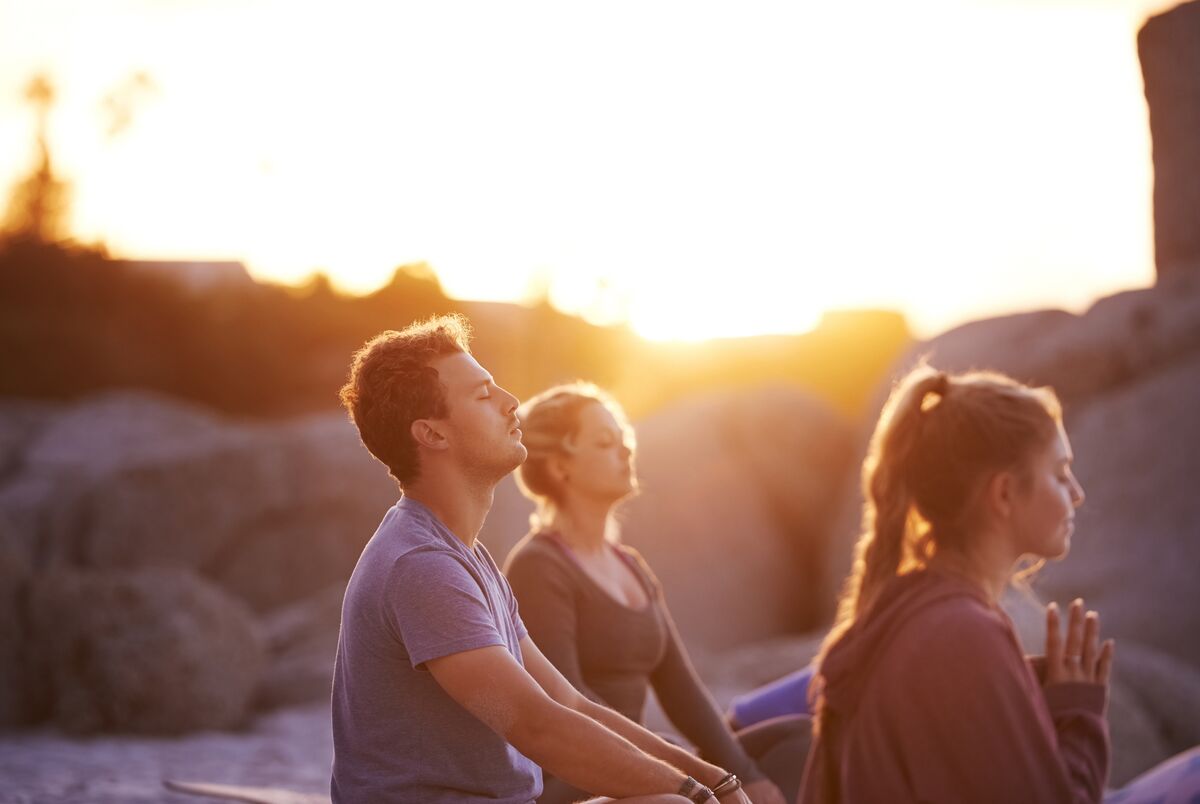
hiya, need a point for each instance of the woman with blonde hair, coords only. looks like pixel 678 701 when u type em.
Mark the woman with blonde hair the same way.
pixel 596 610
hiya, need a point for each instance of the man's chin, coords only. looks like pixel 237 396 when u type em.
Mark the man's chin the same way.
pixel 516 458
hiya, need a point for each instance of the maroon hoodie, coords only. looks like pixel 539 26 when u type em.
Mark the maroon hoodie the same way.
pixel 931 700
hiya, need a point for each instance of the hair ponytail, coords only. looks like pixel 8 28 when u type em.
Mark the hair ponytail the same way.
pixel 890 529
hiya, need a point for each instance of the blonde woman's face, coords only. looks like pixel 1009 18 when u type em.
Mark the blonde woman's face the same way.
pixel 1045 510
pixel 599 460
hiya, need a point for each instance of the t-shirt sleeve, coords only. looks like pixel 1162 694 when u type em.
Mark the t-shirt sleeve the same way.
pixel 438 607
pixel 514 610
pixel 510 597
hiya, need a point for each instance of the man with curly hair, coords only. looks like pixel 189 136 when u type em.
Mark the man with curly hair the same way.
pixel 439 694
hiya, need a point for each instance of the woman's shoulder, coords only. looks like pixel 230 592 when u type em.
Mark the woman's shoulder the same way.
pixel 958 624
pixel 536 549
pixel 638 561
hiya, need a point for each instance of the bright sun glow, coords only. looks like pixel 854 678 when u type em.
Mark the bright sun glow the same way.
pixel 697 170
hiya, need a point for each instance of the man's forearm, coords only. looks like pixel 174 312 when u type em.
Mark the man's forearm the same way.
pixel 587 754
pixel 652 744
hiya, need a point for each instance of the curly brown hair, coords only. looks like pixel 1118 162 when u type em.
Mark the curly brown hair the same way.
pixel 392 384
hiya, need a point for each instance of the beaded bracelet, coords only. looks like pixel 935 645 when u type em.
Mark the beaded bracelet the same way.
pixel 694 791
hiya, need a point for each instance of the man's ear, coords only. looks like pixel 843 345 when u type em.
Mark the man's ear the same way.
pixel 427 433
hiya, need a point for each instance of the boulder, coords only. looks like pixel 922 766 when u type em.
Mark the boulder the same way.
pixel 302 641
pixel 22 695
pixel 1119 339
pixel 150 651
pixel 1135 740
pixel 1166 694
pixel 273 512
pixel 1169 50
pixel 1154 700
pixel 20 423
pixel 1137 538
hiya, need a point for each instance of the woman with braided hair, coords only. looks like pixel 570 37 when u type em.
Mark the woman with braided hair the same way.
pixel 921 691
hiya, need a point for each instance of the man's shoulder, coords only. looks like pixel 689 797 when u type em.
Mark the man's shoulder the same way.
pixel 406 528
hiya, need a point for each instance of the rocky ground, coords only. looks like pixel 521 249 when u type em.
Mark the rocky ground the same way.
pixel 288 749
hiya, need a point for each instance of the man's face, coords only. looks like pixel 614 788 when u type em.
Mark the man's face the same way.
pixel 481 424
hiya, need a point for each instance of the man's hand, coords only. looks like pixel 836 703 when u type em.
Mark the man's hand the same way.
pixel 763 791
pixel 1079 658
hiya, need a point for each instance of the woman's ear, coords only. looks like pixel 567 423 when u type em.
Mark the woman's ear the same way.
pixel 1000 494
pixel 427 434
pixel 559 470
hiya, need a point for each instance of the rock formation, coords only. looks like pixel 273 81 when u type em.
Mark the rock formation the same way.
pixel 1169 50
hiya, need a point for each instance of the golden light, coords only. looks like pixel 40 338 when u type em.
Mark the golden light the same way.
pixel 699 171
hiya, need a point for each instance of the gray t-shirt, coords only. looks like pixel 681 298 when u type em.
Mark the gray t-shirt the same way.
pixel 418 593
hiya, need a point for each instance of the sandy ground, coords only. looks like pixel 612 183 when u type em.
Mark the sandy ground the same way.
pixel 288 749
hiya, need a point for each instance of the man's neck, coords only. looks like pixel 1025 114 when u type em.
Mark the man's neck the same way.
pixel 461 505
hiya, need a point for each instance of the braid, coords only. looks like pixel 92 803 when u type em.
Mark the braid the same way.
pixel 891 525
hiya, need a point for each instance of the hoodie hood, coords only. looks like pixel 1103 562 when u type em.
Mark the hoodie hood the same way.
pixel 848 666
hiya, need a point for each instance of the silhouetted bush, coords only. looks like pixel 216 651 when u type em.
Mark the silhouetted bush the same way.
pixel 73 321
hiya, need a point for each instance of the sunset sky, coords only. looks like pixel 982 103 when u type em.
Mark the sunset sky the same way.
pixel 699 169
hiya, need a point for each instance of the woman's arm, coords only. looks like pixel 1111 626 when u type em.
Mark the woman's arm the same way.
pixel 546 597
pixel 687 702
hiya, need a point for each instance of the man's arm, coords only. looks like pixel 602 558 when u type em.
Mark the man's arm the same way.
pixel 561 691
pixel 493 687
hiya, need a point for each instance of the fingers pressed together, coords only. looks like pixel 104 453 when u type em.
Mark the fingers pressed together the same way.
pixel 1081 657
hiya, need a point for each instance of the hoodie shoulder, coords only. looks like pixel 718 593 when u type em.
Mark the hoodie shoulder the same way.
pixel 955 634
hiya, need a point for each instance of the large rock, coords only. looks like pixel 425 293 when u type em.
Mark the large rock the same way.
pixel 1120 338
pixel 736 491
pixel 22 695
pixel 1154 700
pixel 1169 49
pixel 1167 692
pixel 20 423
pixel 273 512
pixel 302 641
pixel 149 651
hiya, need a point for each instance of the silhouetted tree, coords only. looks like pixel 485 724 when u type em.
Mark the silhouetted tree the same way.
pixel 39 204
